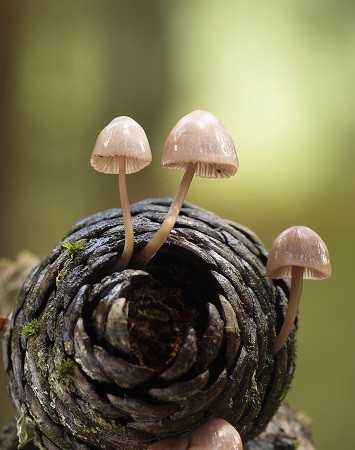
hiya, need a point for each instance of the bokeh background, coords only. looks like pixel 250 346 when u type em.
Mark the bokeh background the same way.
pixel 280 75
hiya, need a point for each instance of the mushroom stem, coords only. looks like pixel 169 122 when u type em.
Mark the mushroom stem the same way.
pixel 147 253
pixel 292 308
pixel 126 214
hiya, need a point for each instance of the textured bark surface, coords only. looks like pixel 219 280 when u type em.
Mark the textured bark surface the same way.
pixel 284 432
pixel 94 375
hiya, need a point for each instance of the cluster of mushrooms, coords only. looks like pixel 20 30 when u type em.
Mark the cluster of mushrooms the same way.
pixel 81 375
pixel 200 145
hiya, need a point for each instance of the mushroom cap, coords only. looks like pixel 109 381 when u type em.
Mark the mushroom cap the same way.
pixel 200 138
pixel 299 246
pixel 123 136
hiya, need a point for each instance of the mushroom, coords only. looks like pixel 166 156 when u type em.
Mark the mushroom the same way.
pixel 198 145
pixel 213 434
pixel 297 253
pixel 122 148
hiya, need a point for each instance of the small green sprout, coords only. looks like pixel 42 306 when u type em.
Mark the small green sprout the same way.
pixel 74 247
pixel 31 329
pixel 65 367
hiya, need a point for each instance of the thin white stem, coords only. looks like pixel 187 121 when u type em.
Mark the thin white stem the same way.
pixel 126 214
pixel 147 253
pixel 292 308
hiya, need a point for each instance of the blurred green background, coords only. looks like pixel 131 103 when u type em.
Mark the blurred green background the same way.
pixel 280 75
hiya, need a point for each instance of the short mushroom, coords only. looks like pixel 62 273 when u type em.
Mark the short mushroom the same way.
pixel 297 253
pixel 213 434
pixel 122 148
pixel 198 145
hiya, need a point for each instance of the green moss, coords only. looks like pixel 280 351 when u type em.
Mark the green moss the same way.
pixel 74 248
pixel 65 367
pixel 31 329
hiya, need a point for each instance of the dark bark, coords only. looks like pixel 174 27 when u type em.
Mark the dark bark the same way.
pixel 284 432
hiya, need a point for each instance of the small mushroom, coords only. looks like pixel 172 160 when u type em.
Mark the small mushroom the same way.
pixel 122 148
pixel 197 145
pixel 297 253
pixel 214 434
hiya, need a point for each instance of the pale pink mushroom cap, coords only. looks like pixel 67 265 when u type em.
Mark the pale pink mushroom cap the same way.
pixel 212 435
pixel 121 137
pixel 299 246
pixel 200 138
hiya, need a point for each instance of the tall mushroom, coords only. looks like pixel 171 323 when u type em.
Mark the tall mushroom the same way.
pixel 122 148
pixel 297 253
pixel 198 145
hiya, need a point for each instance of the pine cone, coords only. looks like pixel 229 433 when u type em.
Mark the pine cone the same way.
pixel 99 359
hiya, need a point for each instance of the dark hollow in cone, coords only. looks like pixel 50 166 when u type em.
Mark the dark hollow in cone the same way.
pixel 99 359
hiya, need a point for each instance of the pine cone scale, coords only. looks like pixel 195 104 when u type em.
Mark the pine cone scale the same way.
pixel 185 359
pixel 203 398
pixel 141 410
